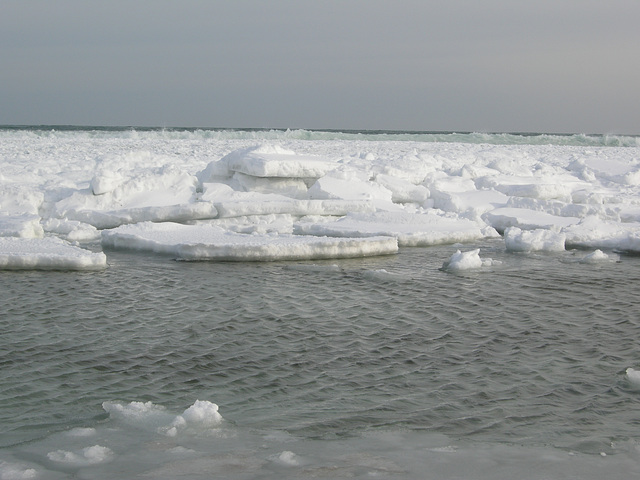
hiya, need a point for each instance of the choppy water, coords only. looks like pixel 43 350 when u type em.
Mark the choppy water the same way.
pixel 381 359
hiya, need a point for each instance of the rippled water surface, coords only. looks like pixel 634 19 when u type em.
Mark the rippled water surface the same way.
pixel 530 351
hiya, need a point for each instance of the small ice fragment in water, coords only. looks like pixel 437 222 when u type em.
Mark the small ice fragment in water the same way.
pixel 463 261
pixel 288 458
pixel 633 375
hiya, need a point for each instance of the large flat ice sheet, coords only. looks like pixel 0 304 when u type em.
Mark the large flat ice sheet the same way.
pixel 210 242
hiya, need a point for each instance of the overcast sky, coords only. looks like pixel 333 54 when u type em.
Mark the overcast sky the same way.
pixel 463 65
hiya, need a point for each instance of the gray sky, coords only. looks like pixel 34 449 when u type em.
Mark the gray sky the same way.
pixel 464 65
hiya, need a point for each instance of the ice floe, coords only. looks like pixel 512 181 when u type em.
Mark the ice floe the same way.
pixel 210 242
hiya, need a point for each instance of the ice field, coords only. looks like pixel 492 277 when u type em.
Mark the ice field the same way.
pixel 271 196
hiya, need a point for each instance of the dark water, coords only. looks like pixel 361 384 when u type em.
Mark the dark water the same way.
pixel 531 352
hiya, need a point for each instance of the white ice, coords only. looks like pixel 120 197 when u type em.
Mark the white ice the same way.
pixel 463 261
pixel 234 199
pixel 86 456
pixel 210 242
pixel 518 240
pixel 201 416
pixel 633 375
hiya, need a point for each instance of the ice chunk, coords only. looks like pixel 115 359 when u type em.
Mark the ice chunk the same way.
pixel 595 257
pixel 288 458
pixel 147 190
pixel 210 242
pixel 517 240
pixel 275 161
pixel 199 417
pixel 463 261
pixel 133 411
pixel 633 375
pixel 48 253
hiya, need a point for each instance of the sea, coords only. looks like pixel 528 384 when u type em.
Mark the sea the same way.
pixel 382 367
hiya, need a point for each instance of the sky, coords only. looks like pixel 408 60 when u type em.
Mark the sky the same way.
pixel 557 66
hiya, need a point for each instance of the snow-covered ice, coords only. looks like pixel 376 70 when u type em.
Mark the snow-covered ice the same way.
pixel 210 242
pixel 236 198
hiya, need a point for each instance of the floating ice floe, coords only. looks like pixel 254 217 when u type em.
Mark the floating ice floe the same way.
pixel 470 260
pixel 210 242
pixel 633 375
pixel 48 253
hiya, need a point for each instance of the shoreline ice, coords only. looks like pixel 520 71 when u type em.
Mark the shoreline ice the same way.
pixel 303 199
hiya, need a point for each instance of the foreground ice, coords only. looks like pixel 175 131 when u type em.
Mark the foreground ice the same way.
pixel 146 440
pixel 236 199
